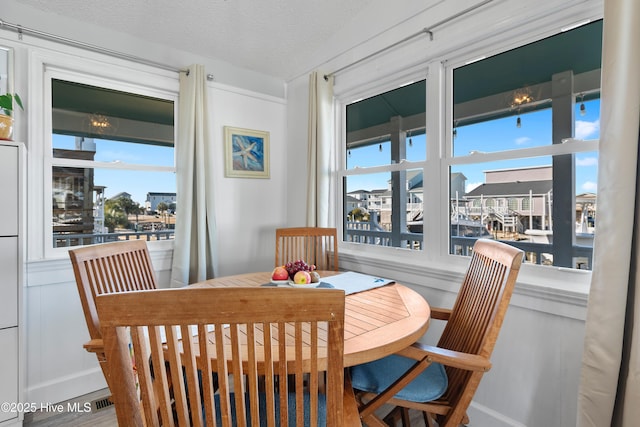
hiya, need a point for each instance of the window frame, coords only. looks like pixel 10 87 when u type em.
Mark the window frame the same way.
pixel 342 172
pixel 439 123
pixel 111 74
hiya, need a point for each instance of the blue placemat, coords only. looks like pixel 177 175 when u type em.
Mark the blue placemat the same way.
pixel 352 282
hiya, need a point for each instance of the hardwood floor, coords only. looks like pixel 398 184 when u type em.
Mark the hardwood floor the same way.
pixel 74 413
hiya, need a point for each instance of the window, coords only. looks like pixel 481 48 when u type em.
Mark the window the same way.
pixel 385 154
pixel 514 157
pixel 525 128
pixel 112 165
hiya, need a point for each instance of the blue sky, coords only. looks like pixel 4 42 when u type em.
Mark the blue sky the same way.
pixel 492 136
pixel 136 183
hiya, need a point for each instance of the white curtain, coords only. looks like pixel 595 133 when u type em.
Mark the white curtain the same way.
pixel 194 254
pixel 320 155
pixel 609 392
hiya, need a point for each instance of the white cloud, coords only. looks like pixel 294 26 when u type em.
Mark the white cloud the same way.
pixel 587 161
pixel 471 185
pixel 586 129
pixel 522 140
pixel 122 156
pixel 590 186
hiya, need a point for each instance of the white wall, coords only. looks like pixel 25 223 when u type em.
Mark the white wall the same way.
pixel 248 210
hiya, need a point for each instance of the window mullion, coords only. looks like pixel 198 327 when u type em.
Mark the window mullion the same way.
pixel 398 182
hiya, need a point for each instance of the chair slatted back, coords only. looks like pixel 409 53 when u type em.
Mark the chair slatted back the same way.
pixel 480 307
pixel 269 333
pixel 314 245
pixel 108 268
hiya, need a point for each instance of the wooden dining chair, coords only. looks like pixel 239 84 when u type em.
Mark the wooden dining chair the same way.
pixel 267 333
pixel 314 245
pixel 104 269
pixel 441 381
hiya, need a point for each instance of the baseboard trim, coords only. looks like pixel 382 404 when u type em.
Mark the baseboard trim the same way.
pixel 483 416
pixel 68 387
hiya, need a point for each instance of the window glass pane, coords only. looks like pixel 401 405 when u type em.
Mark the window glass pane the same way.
pixel 66 146
pixel 508 133
pixel 376 125
pixel 535 96
pixel 513 201
pixel 369 209
pixel 98 205
pixel 416 145
pixel 587 123
pixel 382 131
pixel 134 195
pixel 369 155
pixel 367 196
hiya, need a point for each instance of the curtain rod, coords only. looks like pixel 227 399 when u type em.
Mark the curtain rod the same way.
pixel 427 30
pixel 75 43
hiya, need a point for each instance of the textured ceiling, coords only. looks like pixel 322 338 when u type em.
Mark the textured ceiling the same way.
pixel 260 35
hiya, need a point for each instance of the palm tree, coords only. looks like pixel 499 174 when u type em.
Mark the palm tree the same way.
pixel 114 215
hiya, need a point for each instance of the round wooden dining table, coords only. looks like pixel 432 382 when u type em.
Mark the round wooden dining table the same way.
pixel 378 321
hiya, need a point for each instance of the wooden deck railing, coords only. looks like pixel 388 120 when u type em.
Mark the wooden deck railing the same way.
pixel 535 253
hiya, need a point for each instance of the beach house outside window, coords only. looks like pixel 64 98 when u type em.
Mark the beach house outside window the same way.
pixel 525 127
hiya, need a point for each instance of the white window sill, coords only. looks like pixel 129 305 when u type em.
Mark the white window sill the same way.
pixel 554 290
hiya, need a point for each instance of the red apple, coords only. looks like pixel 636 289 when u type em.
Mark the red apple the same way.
pixel 280 273
pixel 302 278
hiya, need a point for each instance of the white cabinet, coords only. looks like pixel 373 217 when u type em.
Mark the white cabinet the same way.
pixel 8 281
pixel 11 184
pixel 9 390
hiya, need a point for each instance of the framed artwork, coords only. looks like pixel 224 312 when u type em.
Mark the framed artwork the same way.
pixel 246 153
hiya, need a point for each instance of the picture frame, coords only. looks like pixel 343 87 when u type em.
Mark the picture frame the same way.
pixel 246 153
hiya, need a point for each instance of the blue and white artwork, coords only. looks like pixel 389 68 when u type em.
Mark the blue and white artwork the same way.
pixel 248 153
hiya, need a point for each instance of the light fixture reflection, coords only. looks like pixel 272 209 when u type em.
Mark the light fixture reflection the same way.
pixel 101 124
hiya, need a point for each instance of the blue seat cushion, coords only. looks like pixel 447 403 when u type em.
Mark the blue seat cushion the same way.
pixel 322 409
pixel 376 376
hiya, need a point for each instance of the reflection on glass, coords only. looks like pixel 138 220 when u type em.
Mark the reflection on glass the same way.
pixel 97 205
pixel 4 70
pixel 369 209
pixel 513 201
pixel 367 197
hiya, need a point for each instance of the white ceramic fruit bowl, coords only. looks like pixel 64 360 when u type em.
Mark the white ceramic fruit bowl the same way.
pixel 281 282
pixel 303 285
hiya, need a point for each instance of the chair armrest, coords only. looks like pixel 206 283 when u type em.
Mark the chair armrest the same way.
pixel 455 359
pixel 440 313
pixel 94 346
